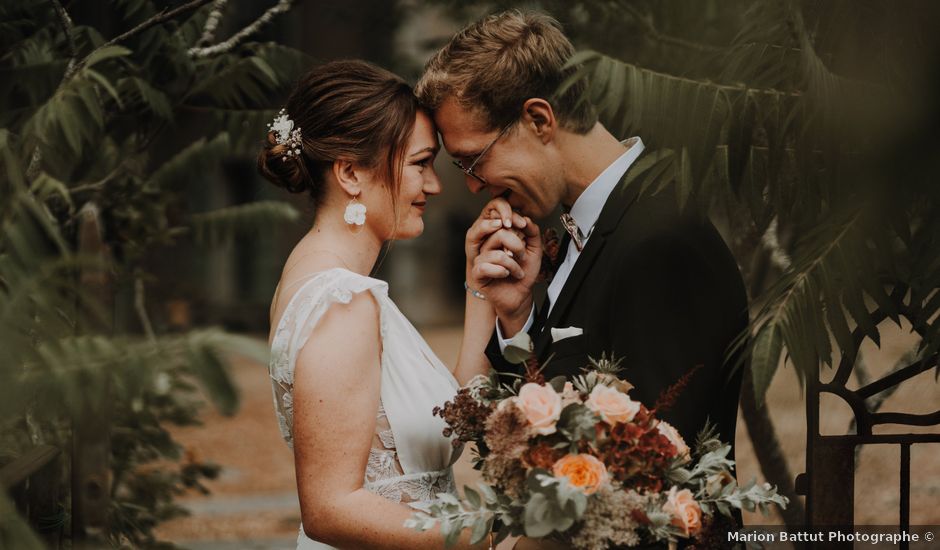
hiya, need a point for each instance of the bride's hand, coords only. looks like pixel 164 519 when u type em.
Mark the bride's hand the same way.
pixel 496 216
pixel 505 269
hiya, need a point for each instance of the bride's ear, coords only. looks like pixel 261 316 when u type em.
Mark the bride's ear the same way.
pixel 350 176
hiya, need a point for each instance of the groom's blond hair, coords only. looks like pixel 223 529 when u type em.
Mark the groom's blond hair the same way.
pixel 494 65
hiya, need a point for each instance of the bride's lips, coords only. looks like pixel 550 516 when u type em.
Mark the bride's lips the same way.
pixel 420 205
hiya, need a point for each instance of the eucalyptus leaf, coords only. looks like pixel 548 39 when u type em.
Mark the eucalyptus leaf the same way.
pixel 473 498
pixel 480 530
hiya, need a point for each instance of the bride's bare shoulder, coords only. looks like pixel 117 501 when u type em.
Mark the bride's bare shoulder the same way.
pixel 347 335
pixel 293 275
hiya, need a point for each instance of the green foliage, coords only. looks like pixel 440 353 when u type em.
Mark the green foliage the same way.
pixel 98 145
pixel 555 504
pixel 477 511
pixel 225 224
pixel 576 423
pixel 14 532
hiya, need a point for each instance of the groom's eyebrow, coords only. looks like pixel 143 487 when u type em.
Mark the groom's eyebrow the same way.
pixel 464 155
pixel 432 150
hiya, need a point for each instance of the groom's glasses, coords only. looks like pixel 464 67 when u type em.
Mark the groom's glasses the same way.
pixel 469 169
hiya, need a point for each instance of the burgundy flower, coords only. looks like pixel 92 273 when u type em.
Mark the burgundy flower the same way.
pixel 465 417
pixel 551 245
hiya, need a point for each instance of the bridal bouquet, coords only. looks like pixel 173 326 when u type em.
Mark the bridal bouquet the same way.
pixel 582 463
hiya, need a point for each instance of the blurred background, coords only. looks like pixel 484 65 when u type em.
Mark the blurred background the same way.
pixel 140 249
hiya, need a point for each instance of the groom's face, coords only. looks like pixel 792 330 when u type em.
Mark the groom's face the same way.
pixel 517 166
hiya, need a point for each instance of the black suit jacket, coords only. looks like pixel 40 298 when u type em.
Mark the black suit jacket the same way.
pixel 659 289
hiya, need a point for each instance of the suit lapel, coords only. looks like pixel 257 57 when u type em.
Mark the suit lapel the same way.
pixel 619 201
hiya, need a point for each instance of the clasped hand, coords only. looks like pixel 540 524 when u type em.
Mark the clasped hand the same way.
pixel 504 254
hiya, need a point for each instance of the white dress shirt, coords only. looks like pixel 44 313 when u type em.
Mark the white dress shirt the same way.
pixel 585 212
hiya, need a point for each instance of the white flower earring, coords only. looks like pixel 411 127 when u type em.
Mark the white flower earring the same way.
pixel 355 214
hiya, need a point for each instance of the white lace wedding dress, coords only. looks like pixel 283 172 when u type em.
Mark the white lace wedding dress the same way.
pixel 410 460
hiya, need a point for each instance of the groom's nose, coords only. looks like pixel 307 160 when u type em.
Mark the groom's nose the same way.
pixel 474 185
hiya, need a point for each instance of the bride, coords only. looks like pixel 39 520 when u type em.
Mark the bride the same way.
pixel 354 383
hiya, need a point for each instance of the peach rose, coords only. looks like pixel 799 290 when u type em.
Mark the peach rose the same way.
pixel 686 513
pixel 541 406
pixel 582 470
pixel 672 434
pixel 612 405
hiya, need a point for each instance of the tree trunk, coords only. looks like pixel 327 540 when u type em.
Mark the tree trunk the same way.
pixel 773 463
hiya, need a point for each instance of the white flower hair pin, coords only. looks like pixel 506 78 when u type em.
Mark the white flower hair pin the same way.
pixel 286 134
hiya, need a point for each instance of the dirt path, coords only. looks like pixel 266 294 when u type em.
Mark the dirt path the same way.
pixel 254 502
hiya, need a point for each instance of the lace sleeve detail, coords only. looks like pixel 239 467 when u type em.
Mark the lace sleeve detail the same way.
pixel 306 307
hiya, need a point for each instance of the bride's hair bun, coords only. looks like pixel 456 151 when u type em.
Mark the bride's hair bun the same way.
pixel 351 110
pixel 282 169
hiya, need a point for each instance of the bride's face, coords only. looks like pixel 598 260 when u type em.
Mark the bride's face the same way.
pixel 418 179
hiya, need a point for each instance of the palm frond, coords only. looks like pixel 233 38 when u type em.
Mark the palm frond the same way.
pixel 135 89
pixel 139 361
pixel 73 117
pixel 190 165
pixel 246 127
pixel 248 80
pixel 673 112
pixel 226 224
pixel 811 301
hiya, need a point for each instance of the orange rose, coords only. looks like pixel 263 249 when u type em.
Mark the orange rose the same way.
pixel 582 470
pixel 611 405
pixel 686 513
pixel 541 406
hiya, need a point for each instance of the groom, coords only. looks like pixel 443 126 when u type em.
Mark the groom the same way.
pixel 636 278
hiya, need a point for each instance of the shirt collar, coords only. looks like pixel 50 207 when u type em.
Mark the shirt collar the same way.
pixel 587 208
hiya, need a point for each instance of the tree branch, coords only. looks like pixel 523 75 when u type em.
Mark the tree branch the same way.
pixel 156 20
pixel 161 17
pixel 140 306
pixel 281 7
pixel 212 23
pixel 97 185
pixel 66 22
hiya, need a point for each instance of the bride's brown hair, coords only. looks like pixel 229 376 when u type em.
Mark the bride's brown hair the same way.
pixel 350 110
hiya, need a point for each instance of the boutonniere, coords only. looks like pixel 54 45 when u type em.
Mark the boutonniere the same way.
pixel 551 245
